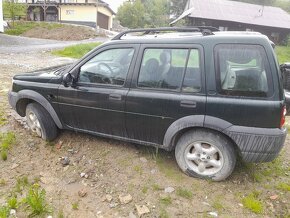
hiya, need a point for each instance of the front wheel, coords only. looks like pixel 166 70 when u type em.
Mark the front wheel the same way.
pixel 40 122
pixel 205 154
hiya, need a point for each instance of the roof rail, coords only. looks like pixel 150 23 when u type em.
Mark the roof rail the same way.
pixel 205 30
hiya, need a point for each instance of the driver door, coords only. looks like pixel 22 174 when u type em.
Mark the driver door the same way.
pixel 96 102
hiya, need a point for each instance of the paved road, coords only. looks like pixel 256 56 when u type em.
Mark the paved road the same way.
pixel 18 44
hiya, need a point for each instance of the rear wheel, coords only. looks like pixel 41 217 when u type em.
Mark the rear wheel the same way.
pixel 205 154
pixel 40 122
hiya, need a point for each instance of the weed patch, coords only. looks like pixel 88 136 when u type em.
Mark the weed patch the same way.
pixel 165 200
pixel 283 186
pixel 253 203
pixel 182 192
pixel 36 201
pixel 6 140
pixel 76 51
pixel 75 206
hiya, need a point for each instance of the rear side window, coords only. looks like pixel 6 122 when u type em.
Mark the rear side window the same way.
pixel 173 69
pixel 243 70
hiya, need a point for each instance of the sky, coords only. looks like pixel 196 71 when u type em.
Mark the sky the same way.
pixel 114 4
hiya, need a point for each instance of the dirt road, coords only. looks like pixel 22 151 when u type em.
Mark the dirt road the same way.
pixel 107 178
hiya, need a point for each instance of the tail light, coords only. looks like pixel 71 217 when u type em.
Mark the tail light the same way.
pixel 283 114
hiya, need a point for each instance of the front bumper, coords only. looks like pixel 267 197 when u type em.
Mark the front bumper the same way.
pixel 258 144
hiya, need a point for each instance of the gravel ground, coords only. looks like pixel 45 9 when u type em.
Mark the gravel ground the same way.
pixel 17 44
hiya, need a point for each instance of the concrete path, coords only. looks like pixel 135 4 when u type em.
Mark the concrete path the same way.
pixel 18 44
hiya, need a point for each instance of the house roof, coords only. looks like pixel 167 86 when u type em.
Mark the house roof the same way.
pixel 237 12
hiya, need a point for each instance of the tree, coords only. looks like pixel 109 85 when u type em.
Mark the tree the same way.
pixel 144 13
pixel 13 9
pixel 131 14
pixel 177 7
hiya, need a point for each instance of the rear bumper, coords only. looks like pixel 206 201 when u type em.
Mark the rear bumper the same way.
pixel 258 144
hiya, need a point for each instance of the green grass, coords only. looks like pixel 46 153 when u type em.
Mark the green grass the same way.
pixel 76 51
pixel 23 26
pixel 283 187
pixel 283 53
pixel 163 213
pixel 36 201
pixel 6 140
pixel 12 203
pixel 156 187
pixel 253 203
pixel 165 200
pixel 145 189
pixel 75 206
pixel 4 212
pixel 182 192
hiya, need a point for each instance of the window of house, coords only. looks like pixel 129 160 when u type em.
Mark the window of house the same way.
pixel 242 70
pixel 166 69
pixel 108 67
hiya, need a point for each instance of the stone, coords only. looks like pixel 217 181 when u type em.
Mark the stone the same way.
pixel 109 198
pixel 82 175
pixel 143 159
pixel 64 161
pixel 132 215
pixel 214 214
pixel 14 166
pixel 125 199
pixel 82 193
pixel 12 212
pixel 169 190
pixel 59 144
pixel 141 210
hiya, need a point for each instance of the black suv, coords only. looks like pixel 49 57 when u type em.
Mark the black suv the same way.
pixel 208 95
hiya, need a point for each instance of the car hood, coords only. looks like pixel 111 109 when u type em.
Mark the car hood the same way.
pixel 43 75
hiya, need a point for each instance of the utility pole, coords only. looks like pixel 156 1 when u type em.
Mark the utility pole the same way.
pixel 1 18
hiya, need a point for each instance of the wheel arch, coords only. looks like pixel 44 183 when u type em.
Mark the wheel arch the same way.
pixel 26 97
pixel 185 124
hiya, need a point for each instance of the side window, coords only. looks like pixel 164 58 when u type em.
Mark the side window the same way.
pixel 108 67
pixel 192 78
pixel 165 68
pixel 242 70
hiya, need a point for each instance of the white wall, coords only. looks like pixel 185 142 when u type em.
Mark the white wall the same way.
pixel 1 18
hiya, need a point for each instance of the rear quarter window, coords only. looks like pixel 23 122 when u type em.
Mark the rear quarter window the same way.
pixel 243 70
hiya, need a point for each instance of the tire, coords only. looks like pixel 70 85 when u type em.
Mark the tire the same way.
pixel 40 122
pixel 205 154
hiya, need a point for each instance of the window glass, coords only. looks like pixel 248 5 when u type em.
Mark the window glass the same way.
pixel 242 70
pixel 192 79
pixel 108 67
pixel 162 68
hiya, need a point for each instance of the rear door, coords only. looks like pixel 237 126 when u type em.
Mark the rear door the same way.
pixel 168 84
pixel 241 87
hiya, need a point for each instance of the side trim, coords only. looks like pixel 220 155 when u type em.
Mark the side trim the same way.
pixel 29 94
pixel 178 125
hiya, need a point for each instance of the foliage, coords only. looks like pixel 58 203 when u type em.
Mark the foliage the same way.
pixel 6 140
pixel 4 212
pixel 283 186
pixel 35 200
pixel 253 203
pixel 177 7
pixel 166 200
pixel 76 51
pixel 21 27
pixel 12 203
pixel 148 13
pixel 12 9
pixel 283 54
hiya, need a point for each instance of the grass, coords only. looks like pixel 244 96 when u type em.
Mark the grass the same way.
pixel 165 200
pixel 3 119
pixel 283 53
pixel 145 189
pixel 156 187
pixel 182 192
pixel 12 203
pixel 253 203
pixel 138 169
pixel 22 27
pixel 76 51
pixel 283 186
pixel 163 213
pixel 6 140
pixel 217 204
pixel 75 206
pixel 36 201
pixel 4 212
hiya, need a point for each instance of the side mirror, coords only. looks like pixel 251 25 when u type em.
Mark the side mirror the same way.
pixel 285 66
pixel 67 80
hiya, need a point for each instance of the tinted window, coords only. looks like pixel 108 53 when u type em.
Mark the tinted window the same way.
pixel 165 68
pixel 243 70
pixel 108 67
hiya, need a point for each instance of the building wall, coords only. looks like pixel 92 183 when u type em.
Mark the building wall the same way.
pixel 83 14
pixel 277 35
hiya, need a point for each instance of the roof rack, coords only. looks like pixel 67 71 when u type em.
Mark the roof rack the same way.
pixel 205 30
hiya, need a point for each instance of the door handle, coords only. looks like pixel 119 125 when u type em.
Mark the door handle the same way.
pixel 188 104
pixel 115 97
